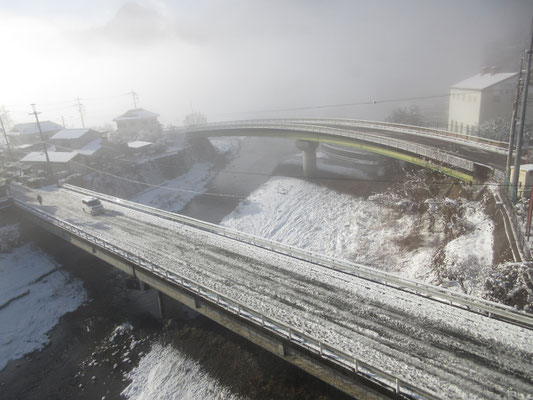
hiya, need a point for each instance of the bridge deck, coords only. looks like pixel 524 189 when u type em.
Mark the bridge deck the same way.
pixel 433 346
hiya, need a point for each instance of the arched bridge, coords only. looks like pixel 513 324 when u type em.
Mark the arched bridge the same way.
pixel 465 157
pixel 371 334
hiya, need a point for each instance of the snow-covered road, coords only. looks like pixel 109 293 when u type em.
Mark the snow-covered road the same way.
pixel 431 345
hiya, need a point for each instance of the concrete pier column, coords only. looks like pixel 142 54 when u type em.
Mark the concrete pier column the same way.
pixel 161 304
pixel 309 156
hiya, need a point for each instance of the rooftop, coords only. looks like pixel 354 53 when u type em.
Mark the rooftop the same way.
pixel 136 113
pixel 482 81
pixel 31 128
pixel 90 148
pixel 138 144
pixel 70 133
pixel 55 156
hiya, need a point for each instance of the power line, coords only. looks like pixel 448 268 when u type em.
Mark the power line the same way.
pixel 398 181
pixel 360 103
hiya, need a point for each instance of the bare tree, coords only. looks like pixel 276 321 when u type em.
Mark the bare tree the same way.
pixel 195 118
pixel 496 129
pixel 406 115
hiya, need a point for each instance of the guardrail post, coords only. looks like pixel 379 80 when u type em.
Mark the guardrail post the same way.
pixel 321 349
pixel 355 365
pixel 397 388
pixel 262 320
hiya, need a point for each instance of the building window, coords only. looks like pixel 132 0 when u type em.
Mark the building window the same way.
pixel 496 98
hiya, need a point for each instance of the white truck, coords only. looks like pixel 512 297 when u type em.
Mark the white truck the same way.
pixel 92 205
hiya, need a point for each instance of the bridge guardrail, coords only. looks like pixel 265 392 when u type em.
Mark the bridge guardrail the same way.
pixel 410 129
pixel 328 352
pixel 418 149
pixel 435 293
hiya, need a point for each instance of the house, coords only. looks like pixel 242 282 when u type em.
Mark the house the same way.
pixel 59 161
pixel 138 123
pixel 483 97
pixel 74 139
pixel 28 133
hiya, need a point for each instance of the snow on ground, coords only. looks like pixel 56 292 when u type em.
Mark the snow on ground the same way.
pixel 228 146
pixel 371 231
pixel 9 237
pixel 34 294
pixel 165 374
pixel 176 193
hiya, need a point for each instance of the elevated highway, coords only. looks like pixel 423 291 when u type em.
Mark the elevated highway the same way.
pixel 369 333
pixel 465 157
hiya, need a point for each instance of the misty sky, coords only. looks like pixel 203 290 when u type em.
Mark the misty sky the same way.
pixel 229 58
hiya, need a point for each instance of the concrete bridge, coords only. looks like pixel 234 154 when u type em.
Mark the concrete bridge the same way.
pixel 371 334
pixel 467 158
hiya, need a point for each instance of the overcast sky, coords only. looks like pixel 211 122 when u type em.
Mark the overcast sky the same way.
pixel 228 58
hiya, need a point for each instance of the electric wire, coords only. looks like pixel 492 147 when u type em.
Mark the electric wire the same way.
pixel 271 175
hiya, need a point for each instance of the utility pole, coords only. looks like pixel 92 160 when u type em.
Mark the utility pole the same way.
pixel 81 109
pixel 520 137
pixel 512 131
pixel 135 98
pixel 7 141
pixel 42 139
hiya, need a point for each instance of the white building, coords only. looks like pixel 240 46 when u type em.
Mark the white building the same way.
pixel 138 123
pixel 482 97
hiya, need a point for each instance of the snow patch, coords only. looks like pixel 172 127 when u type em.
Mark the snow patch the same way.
pixel 165 374
pixel 9 237
pixel 227 146
pixel 174 194
pixel 370 231
pixel 34 294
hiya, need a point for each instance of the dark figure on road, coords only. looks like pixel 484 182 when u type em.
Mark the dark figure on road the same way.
pixel 40 199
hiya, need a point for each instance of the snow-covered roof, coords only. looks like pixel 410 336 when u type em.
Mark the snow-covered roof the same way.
pixel 25 146
pixel 482 81
pixel 70 133
pixel 90 148
pixel 54 156
pixel 31 128
pixel 526 167
pixel 138 144
pixel 136 113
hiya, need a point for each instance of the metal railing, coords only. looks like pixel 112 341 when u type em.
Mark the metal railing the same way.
pixel 410 129
pixel 435 293
pixel 405 146
pixel 490 144
pixel 326 351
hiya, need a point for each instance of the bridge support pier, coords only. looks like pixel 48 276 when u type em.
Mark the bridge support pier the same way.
pixel 161 304
pixel 309 157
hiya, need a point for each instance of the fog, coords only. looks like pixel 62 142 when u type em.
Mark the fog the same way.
pixel 245 59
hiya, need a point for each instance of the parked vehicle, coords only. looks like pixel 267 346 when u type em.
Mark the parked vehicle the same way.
pixel 92 205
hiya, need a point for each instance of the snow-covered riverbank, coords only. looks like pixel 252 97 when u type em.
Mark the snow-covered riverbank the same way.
pixel 34 293
pixel 373 230
pixel 166 374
